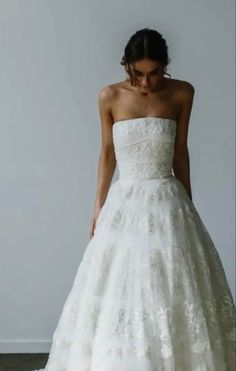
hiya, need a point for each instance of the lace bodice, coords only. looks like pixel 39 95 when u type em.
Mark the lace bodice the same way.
pixel 144 147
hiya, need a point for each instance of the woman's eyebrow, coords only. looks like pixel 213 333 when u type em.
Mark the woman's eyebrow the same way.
pixel 156 69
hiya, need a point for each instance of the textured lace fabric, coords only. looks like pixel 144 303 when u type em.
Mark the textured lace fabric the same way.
pixel 144 148
pixel 150 293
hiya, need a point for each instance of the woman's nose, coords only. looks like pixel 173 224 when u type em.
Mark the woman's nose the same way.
pixel 145 80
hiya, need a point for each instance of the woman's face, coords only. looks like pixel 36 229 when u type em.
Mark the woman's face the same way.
pixel 148 74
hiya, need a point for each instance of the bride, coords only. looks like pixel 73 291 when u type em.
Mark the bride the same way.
pixel 150 293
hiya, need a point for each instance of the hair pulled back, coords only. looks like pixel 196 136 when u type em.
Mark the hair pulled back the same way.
pixel 145 43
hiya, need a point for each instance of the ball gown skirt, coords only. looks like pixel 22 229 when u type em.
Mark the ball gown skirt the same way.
pixel 150 293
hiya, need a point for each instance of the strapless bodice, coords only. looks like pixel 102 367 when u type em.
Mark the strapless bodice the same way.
pixel 144 147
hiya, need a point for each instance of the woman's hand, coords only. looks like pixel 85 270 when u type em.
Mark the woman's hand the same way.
pixel 94 220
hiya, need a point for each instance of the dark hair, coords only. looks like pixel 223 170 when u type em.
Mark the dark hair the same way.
pixel 145 43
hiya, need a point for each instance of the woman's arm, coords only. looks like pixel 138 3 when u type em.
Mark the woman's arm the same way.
pixel 181 162
pixel 107 160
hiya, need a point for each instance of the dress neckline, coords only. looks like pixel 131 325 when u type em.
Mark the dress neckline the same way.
pixel 143 118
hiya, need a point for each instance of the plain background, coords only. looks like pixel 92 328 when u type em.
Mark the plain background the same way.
pixel 55 57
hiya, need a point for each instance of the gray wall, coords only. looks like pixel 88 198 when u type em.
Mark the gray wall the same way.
pixel 55 57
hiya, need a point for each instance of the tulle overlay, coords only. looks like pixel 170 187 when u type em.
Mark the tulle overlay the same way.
pixel 150 293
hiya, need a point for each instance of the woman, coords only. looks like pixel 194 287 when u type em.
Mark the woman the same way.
pixel 150 293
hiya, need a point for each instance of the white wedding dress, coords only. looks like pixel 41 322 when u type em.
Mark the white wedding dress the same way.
pixel 150 293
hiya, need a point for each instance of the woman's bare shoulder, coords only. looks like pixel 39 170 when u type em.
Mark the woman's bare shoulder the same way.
pixel 181 85
pixel 108 92
pixel 183 92
pixel 112 88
